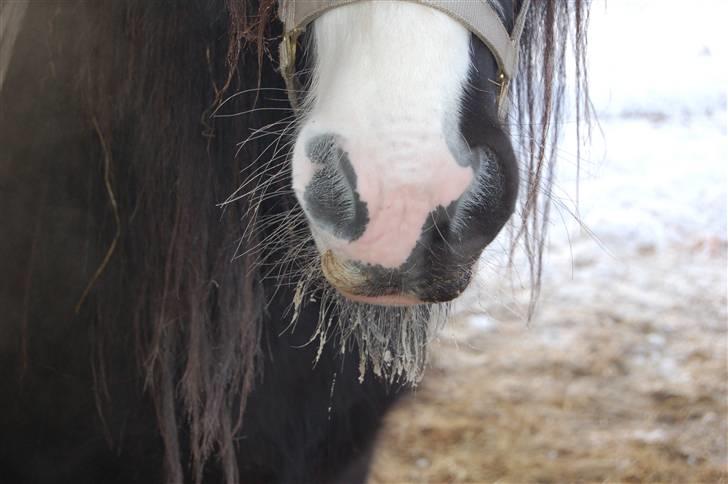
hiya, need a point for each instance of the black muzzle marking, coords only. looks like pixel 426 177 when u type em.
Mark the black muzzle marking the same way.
pixel 331 199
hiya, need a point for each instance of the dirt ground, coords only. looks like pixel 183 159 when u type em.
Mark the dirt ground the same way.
pixel 621 377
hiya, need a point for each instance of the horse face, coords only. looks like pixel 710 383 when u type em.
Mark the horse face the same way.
pixel 400 164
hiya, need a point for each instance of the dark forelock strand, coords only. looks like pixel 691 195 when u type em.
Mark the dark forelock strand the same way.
pixel 551 28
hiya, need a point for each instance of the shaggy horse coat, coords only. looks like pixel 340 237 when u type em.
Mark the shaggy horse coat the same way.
pixel 144 336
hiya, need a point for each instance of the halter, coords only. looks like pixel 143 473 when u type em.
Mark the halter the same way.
pixel 475 15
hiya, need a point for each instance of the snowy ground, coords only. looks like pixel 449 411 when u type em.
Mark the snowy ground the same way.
pixel 621 375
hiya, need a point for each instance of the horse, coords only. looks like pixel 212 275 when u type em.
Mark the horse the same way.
pixel 218 269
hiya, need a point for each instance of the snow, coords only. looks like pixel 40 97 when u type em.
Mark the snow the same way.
pixel 657 173
pixel 658 56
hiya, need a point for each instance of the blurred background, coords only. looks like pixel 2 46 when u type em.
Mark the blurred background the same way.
pixel 621 375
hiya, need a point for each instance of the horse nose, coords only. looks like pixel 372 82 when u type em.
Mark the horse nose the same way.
pixel 331 197
pixel 370 199
pixel 389 214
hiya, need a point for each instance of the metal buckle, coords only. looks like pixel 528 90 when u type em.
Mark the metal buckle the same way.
pixel 502 96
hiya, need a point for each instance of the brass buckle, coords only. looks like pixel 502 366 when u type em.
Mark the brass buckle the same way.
pixel 502 96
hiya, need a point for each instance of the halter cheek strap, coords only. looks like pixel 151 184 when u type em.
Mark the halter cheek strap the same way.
pixel 475 15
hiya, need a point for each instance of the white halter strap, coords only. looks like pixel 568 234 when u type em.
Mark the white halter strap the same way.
pixel 476 15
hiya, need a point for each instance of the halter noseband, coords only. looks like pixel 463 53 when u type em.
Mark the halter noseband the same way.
pixel 476 15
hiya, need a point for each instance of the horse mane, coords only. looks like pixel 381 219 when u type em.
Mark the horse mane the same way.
pixel 540 101
pixel 147 83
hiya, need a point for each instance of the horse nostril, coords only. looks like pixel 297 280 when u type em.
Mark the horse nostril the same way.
pixel 321 149
pixel 331 198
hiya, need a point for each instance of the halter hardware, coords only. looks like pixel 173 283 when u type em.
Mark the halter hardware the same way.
pixel 475 15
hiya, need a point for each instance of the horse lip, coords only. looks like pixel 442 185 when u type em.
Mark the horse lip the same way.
pixel 341 274
pixel 354 284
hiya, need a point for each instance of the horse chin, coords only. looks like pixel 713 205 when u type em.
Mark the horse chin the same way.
pixel 391 338
pixel 352 283
pixel 396 300
pixel 378 286
pixel 389 332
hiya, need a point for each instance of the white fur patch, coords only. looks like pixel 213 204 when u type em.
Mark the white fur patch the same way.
pixel 388 79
